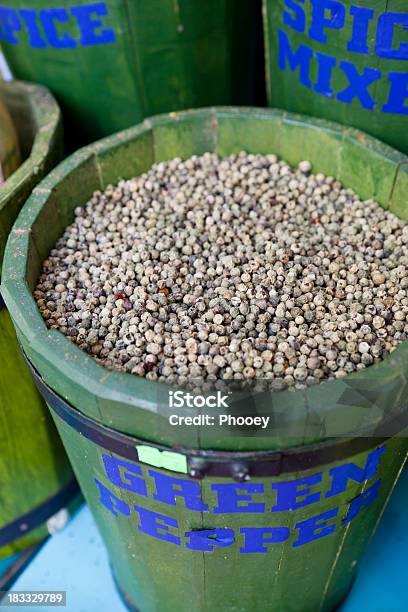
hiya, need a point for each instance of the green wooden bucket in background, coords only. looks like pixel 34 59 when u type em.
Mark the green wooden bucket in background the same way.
pixel 112 63
pixel 10 158
pixel 344 60
pixel 35 477
pixel 208 518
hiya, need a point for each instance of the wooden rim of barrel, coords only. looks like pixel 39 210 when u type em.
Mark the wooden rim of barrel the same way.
pixel 10 158
pixel 37 119
pixel 130 404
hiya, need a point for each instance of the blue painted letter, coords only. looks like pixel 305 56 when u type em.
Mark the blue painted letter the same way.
pixel 29 16
pixel 231 494
pixel 300 58
pixel 10 24
pixel 350 471
pixel 297 21
pixel 316 527
pixel 48 18
pixel 168 488
pixel 126 479
pixel 365 499
pixel 256 538
pixel 289 493
pixel 157 525
pixel 385 36
pixel 326 64
pixel 358 85
pixel 320 22
pixel 362 17
pixel 398 94
pixel 111 501
pixel 88 25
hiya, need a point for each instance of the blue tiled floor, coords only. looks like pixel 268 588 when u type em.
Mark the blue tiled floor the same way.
pixel 76 561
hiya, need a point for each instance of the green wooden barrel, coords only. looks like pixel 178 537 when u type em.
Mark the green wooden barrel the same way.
pixel 112 63
pixel 35 477
pixel 343 60
pixel 9 146
pixel 210 518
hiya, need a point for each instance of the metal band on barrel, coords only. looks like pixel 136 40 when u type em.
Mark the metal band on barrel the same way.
pixel 200 463
pixel 35 518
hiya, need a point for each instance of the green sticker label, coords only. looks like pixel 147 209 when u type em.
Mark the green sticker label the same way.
pixel 162 459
